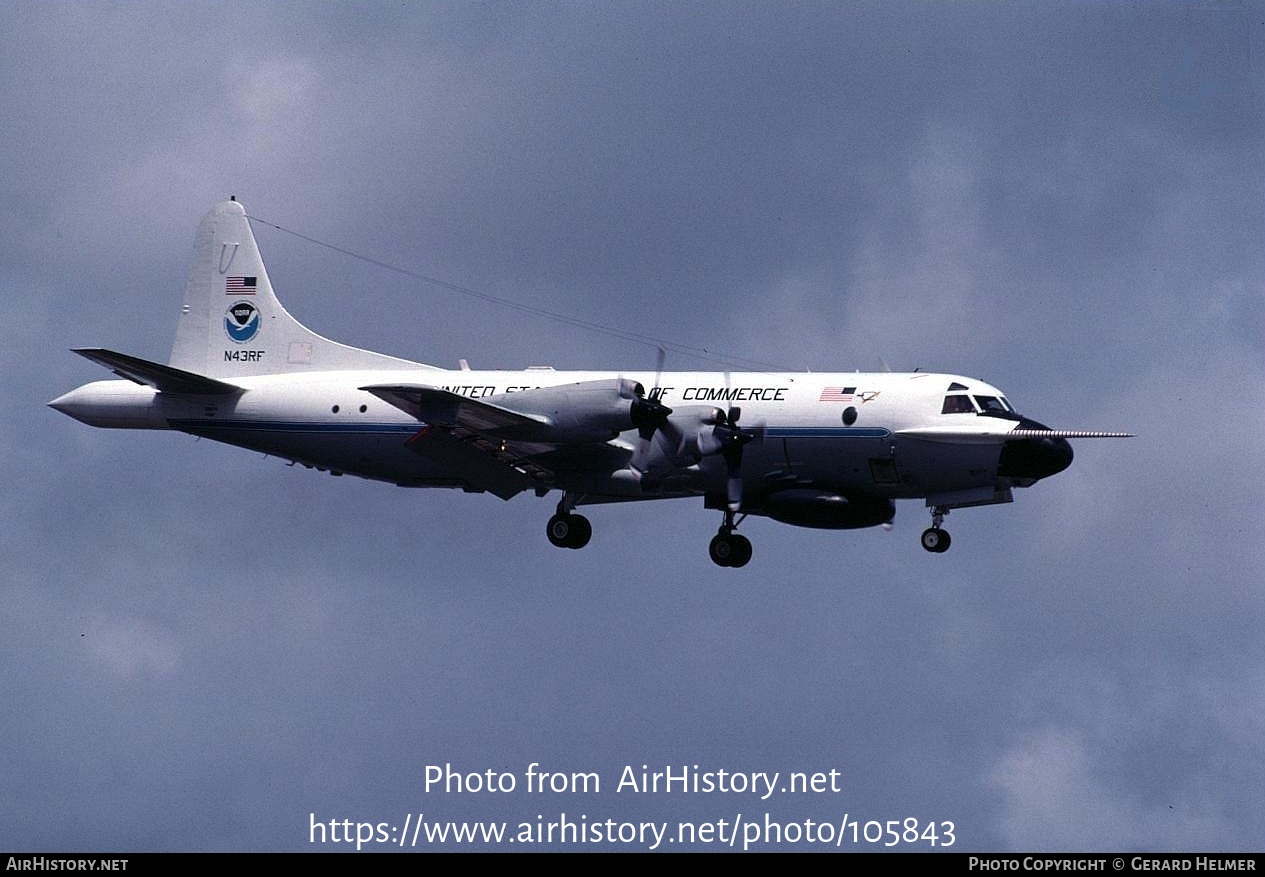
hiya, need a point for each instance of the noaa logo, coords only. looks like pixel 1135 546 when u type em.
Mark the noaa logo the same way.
pixel 242 321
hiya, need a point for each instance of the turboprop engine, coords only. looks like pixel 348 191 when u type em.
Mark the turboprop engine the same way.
pixel 583 412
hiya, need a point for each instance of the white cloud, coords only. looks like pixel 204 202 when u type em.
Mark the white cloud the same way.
pixel 1057 795
pixel 273 91
pixel 129 648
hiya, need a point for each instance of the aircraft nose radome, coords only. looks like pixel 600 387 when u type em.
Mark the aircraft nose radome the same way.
pixel 1034 458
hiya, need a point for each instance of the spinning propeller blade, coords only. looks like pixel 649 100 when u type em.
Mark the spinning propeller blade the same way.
pixel 729 440
pixel 649 415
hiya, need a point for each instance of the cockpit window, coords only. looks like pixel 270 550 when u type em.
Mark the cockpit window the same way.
pixel 989 404
pixel 958 404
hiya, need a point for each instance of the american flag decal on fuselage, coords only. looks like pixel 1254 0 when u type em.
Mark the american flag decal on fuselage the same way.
pixel 837 394
pixel 239 285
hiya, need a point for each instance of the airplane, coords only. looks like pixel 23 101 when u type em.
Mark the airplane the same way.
pixel 822 450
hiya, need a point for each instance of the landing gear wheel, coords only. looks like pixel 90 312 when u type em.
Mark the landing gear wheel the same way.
pixel 569 531
pixel 720 549
pixel 582 532
pixel 729 549
pixel 936 540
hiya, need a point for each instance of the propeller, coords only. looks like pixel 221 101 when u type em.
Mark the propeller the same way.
pixel 649 415
pixel 728 439
pixel 709 432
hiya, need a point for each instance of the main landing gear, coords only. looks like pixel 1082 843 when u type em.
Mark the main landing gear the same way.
pixel 566 529
pixel 728 548
pixel 935 539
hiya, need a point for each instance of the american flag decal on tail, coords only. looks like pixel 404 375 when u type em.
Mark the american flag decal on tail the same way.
pixel 239 285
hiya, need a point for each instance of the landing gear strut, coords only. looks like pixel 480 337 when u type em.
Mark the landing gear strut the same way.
pixel 567 529
pixel 728 548
pixel 934 538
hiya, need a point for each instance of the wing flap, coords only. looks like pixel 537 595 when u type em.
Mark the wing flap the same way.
pixel 482 466
pixel 471 437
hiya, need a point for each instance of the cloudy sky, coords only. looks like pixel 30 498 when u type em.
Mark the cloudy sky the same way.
pixel 203 649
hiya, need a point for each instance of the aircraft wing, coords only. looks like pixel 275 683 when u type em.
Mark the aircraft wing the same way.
pixel 479 465
pixel 441 408
pixel 160 377
pixel 501 451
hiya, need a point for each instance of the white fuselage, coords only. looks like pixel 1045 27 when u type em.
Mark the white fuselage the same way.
pixel 324 420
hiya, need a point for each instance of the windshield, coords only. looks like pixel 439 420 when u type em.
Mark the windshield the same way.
pixel 989 404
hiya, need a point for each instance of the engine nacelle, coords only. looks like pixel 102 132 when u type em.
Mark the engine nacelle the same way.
pixel 589 411
pixel 806 507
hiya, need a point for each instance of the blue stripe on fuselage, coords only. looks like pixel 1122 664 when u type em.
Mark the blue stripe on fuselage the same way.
pixel 406 429
pixel 827 432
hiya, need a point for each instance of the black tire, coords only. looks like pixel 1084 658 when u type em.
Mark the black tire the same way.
pixel 740 552
pixel 569 531
pixel 720 549
pixel 581 532
pixel 935 540
pixel 559 530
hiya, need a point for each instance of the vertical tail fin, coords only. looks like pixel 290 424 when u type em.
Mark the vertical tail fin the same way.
pixel 231 323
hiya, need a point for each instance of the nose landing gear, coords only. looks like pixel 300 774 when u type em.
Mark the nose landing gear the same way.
pixel 728 548
pixel 934 538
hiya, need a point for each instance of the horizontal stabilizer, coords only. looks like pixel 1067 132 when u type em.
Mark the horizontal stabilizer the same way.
pixel 163 378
